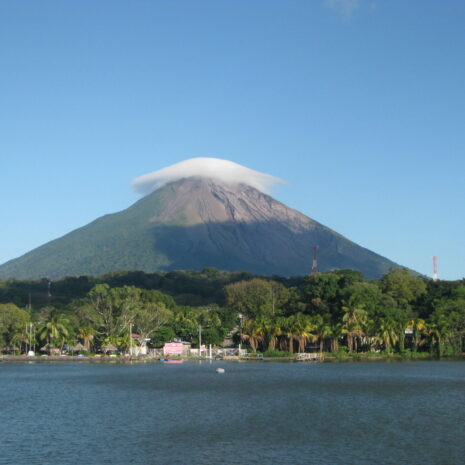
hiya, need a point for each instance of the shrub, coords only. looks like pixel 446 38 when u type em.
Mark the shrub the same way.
pixel 277 353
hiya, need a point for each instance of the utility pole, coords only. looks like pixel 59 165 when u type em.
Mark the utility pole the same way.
pixel 200 340
pixel 240 332
pixel 31 343
pixel 33 333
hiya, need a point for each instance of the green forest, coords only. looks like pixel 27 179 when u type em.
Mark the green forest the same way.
pixel 338 312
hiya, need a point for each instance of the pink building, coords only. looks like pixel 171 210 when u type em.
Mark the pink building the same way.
pixel 176 348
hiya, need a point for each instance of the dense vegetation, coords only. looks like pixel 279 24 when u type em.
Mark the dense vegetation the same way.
pixel 337 312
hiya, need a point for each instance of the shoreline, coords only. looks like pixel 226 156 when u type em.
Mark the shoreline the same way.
pixel 7 359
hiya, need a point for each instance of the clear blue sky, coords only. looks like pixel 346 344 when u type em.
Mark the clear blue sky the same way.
pixel 360 105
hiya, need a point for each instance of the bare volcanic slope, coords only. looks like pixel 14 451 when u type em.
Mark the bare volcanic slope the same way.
pixel 193 223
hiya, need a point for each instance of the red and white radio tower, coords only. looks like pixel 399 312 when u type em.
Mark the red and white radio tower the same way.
pixel 315 261
pixel 435 268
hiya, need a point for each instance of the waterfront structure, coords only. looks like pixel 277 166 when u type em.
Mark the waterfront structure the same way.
pixel 177 348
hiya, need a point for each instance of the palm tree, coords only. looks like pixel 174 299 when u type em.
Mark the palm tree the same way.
pixel 438 331
pixel 17 339
pixel 335 335
pixel 370 338
pixel 298 327
pixel 304 328
pixel 322 329
pixel 271 331
pixel 387 333
pixel 86 334
pixel 418 327
pixel 281 325
pixel 54 330
pixel 354 319
pixel 252 331
pixel 263 327
pixel 288 331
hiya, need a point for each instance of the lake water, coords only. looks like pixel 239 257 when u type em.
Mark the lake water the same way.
pixel 255 413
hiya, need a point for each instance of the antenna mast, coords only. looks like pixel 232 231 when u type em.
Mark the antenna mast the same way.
pixel 315 260
pixel 435 268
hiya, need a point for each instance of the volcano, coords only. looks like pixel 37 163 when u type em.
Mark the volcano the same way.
pixel 193 223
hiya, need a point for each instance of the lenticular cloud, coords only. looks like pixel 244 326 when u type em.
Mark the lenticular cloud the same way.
pixel 216 168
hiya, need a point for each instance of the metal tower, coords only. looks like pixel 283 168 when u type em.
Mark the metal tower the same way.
pixel 435 268
pixel 315 261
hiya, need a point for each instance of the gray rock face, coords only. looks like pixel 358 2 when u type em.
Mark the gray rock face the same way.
pixel 194 223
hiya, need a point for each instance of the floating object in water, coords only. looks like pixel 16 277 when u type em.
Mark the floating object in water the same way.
pixel 220 370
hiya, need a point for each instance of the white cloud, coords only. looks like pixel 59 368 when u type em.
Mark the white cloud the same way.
pixel 343 7
pixel 216 168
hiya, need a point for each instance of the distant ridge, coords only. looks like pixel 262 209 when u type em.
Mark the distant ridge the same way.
pixel 193 223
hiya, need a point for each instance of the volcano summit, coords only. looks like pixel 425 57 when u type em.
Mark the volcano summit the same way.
pixel 198 213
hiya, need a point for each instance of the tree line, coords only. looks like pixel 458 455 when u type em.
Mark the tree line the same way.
pixel 338 311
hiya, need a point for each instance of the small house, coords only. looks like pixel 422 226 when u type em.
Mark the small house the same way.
pixel 177 348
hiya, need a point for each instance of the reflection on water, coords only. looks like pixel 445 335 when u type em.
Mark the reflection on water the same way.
pixel 255 413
